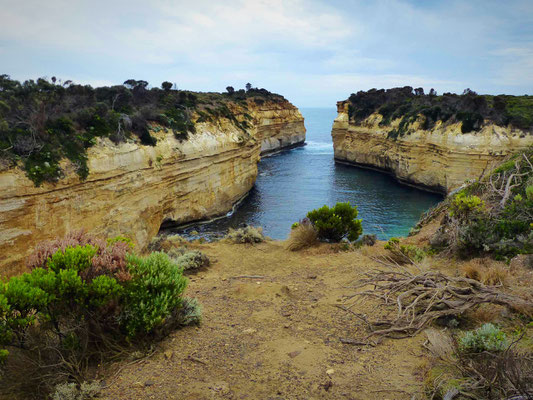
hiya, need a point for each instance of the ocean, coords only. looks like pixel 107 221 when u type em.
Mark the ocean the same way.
pixel 293 182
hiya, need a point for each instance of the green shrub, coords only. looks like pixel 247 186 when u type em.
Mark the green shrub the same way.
pixel 529 193
pixel 486 338
pixel 404 252
pixel 153 294
pixel 336 223
pixel 81 300
pixel 463 205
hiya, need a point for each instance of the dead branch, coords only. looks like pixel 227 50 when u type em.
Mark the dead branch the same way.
pixel 414 301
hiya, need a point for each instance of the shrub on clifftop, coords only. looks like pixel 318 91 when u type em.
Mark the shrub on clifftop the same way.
pixel 248 234
pixel 336 223
pixel 492 215
pixel 84 300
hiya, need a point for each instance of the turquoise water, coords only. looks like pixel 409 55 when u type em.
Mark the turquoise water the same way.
pixel 296 181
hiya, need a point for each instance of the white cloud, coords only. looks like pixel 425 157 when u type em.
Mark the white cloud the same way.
pixel 309 50
pixel 516 68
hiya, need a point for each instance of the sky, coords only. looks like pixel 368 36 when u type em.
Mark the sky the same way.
pixel 313 52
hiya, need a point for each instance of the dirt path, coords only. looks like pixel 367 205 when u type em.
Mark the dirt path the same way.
pixel 276 337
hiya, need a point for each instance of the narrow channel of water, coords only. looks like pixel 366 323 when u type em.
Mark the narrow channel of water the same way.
pixel 293 182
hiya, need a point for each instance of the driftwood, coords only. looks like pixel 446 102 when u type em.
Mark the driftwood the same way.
pixel 413 301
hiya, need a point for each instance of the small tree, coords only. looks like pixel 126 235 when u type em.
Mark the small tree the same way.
pixel 248 86
pixel 230 90
pixel 130 83
pixel 166 86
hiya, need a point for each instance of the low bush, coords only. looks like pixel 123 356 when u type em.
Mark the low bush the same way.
pixel 153 294
pixel 462 206
pixel 190 313
pixel 335 223
pixel 84 299
pixel 485 366
pixel 529 193
pixel 486 338
pixel 403 253
pixel 248 234
pixel 188 260
pixel 303 234
pixel 73 391
pixel 492 215
pixel 369 240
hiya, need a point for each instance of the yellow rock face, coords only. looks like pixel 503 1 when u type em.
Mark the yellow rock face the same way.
pixel 132 189
pixel 440 159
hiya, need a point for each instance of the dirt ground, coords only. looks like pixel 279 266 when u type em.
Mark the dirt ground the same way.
pixel 271 330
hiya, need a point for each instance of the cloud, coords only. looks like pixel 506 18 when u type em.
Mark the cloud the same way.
pixel 516 66
pixel 312 51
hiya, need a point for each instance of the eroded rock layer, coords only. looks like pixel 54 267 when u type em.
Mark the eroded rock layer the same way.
pixel 132 189
pixel 439 159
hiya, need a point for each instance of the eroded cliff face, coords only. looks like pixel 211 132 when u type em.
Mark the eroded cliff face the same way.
pixel 279 125
pixel 440 159
pixel 131 189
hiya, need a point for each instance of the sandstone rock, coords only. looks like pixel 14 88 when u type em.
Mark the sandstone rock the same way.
pixel 440 159
pixel 128 193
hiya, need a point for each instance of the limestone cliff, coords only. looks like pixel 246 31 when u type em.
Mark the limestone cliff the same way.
pixel 131 189
pixel 279 125
pixel 439 159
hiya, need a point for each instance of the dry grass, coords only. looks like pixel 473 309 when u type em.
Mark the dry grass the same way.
pixel 496 275
pixel 487 271
pixel 486 313
pixel 301 237
pixel 472 271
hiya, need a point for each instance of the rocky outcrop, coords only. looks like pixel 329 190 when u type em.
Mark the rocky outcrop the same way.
pixel 132 189
pixel 439 159
pixel 279 126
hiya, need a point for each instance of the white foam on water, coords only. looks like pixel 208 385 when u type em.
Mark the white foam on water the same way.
pixel 319 147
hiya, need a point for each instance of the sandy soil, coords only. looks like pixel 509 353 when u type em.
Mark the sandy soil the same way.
pixel 275 336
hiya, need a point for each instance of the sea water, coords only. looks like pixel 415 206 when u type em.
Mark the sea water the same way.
pixel 293 182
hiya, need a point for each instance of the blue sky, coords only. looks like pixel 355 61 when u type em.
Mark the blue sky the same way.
pixel 312 52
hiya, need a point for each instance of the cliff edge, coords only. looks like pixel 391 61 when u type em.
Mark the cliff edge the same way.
pixel 132 188
pixel 436 147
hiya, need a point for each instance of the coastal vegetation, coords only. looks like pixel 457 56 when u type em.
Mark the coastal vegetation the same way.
pixel 325 224
pixel 45 121
pixel 86 301
pixel 303 234
pixel 335 223
pixel 248 234
pixel 492 215
pixel 470 109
